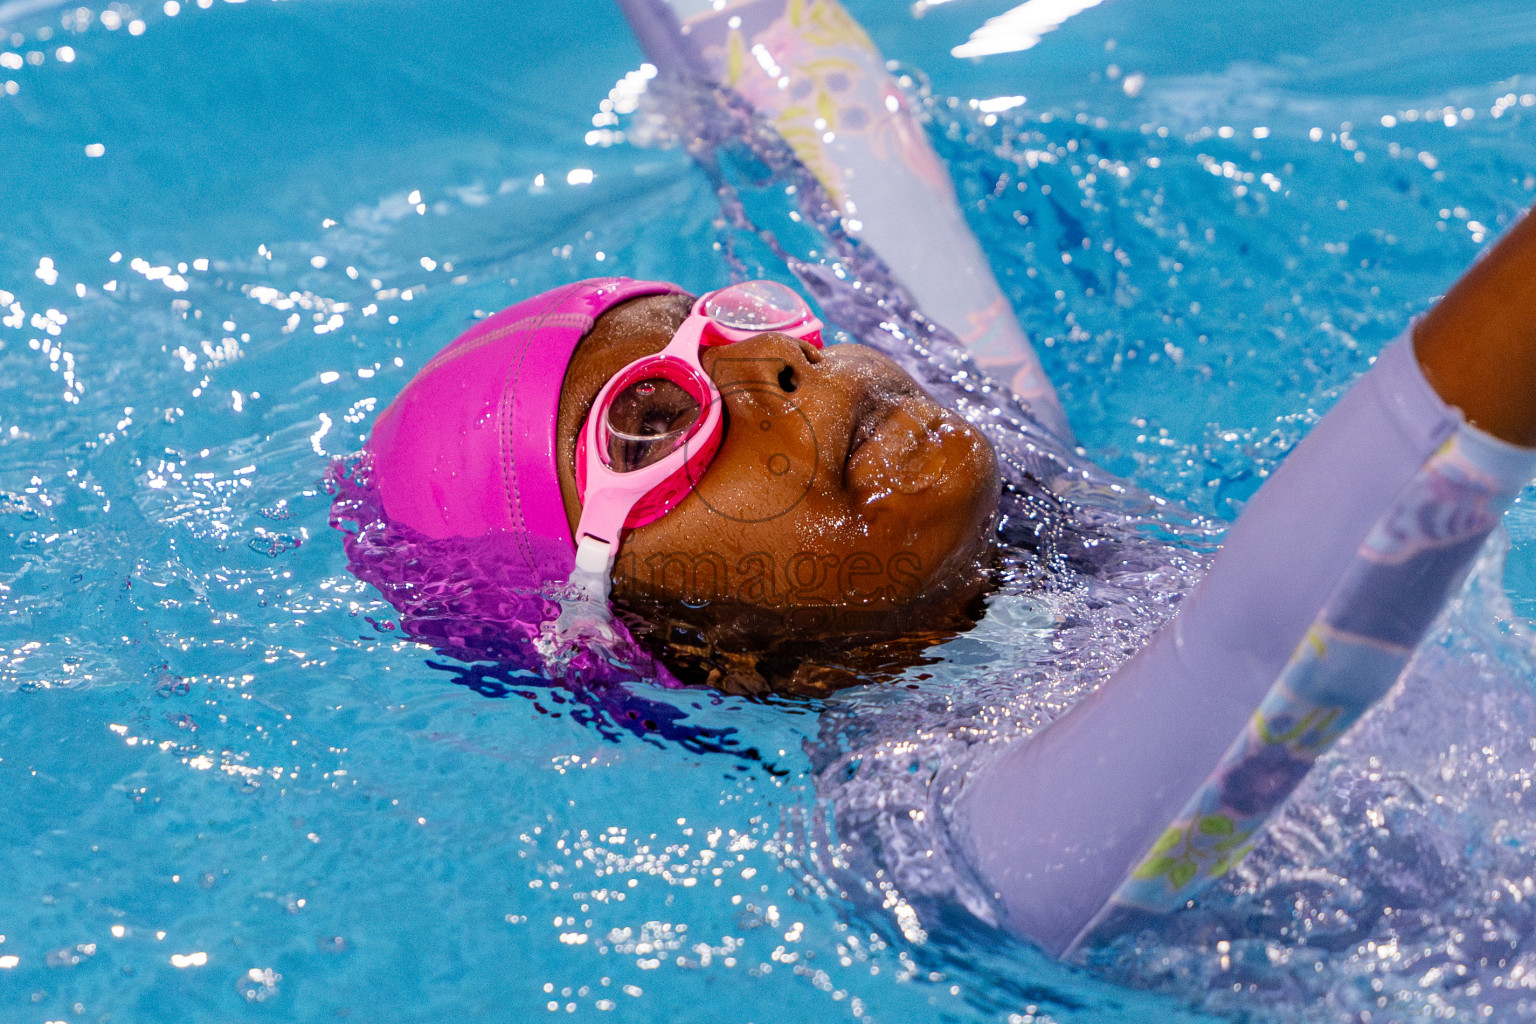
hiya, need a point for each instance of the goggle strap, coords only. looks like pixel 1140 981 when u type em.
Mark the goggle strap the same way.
pixel 595 556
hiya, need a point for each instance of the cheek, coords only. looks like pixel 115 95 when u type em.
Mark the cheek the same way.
pixel 767 466
pixel 685 554
pixel 716 528
pixel 799 560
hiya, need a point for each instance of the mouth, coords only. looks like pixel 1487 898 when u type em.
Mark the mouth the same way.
pixel 870 412
pixel 893 447
pixel 881 394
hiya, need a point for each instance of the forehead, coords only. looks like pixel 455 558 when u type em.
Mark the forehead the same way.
pixel 623 334
pixel 638 322
pixel 639 327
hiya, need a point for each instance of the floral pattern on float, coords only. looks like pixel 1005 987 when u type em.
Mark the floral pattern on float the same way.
pixel 1335 675
pixel 809 71
pixel 1454 502
pixel 818 77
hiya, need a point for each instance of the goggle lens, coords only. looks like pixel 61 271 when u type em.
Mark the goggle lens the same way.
pixel 756 306
pixel 647 421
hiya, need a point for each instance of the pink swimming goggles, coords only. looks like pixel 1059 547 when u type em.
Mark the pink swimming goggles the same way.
pixel 657 423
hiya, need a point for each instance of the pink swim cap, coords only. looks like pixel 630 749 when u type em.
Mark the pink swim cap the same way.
pixel 468 448
pixel 454 510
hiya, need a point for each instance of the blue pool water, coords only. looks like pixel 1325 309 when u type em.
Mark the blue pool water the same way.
pixel 234 792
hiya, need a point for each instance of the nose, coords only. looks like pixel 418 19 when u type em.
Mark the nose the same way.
pixel 769 456
pixel 766 364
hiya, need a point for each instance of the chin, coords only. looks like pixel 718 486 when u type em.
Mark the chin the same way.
pixel 976 487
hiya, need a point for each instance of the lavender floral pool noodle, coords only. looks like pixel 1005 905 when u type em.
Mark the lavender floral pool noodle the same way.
pixel 1152 786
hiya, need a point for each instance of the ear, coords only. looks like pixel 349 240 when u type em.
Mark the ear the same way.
pixel 738 675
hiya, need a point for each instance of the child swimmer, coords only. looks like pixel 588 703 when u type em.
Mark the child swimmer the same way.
pixel 857 493
pixel 841 501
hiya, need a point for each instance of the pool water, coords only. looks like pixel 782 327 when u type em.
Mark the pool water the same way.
pixel 234 790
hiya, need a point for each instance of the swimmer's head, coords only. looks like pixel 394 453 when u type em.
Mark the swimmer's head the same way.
pixel 843 501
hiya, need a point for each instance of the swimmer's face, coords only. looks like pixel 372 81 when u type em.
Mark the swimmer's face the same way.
pixel 839 484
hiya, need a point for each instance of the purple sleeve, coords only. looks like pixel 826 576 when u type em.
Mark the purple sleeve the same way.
pixel 1066 823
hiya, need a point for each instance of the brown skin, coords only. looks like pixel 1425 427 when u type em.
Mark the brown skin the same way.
pixel 844 503
pixel 1478 345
